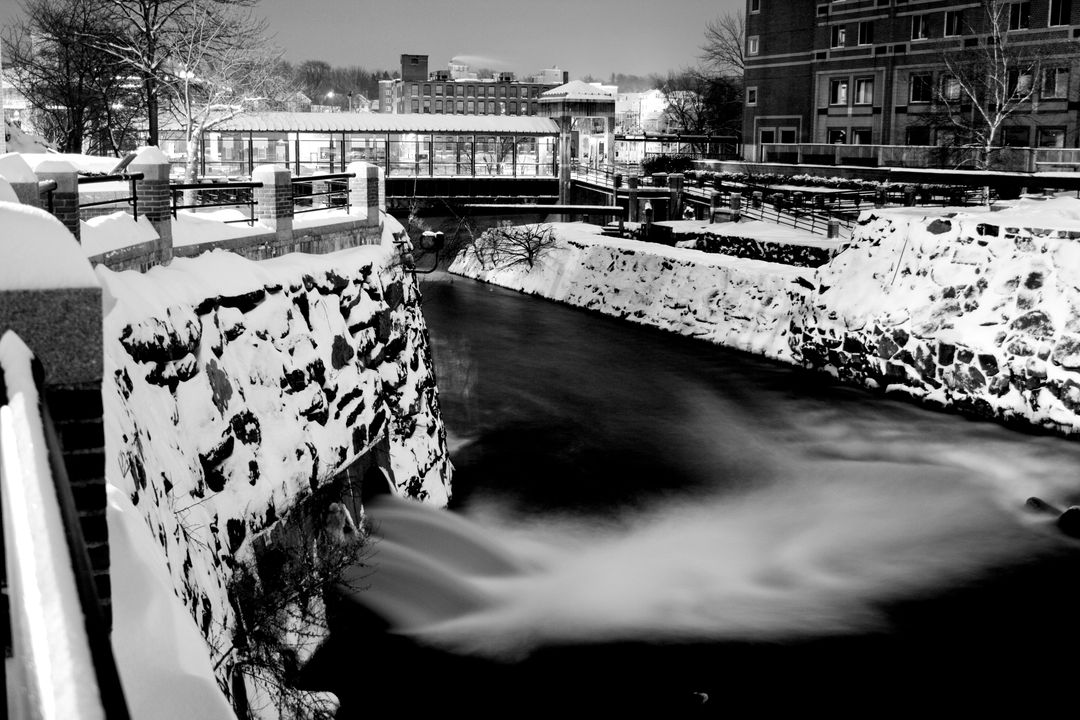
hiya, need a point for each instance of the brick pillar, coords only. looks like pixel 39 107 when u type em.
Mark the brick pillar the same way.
pixel 274 200
pixel 22 179
pixel 153 197
pixel 365 190
pixel 62 326
pixel 65 199
pixel 675 191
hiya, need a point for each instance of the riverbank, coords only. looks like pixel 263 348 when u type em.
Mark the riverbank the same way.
pixel 964 309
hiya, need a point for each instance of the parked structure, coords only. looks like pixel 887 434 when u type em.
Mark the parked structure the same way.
pixel 457 91
pixel 868 71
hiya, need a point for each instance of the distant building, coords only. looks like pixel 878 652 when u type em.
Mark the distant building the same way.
pixel 457 91
pixel 866 71
pixel 640 112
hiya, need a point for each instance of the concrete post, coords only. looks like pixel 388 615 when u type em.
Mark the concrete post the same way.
pixel 22 179
pixel 675 190
pixel 714 204
pixel 834 229
pixel 65 199
pixel 632 184
pixel 756 199
pixel 153 196
pixel 60 322
pixel 364 191
pixel 736 206
pixel 274 200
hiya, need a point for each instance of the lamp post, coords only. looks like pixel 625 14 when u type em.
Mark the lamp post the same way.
pixel 330 98
pixel 350 101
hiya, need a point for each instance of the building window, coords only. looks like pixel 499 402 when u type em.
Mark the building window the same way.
pixel 751 95
pixel 839 35
pixel 836 136
pixel 917 135
pixel 1060 12
pixel 755 6
pixel 1052 137
pixel 427 105
pixel 461 91
pixel 414 90
pixel 952 23
pixel 862 136
pixel 472 107
pixel 921 88
pixel 491 107
pixel 1055 83
pixel 752 45
pixel 838 92
pixel 438 106
pixel 513 107
pixel 415 105
pixel 787 135
pixel 864 91
pixel 438 89
pixel 950 87
pixel 866 32
pixel 1015 136
pixel 918 27
pixel 427 89
pixel 1019 84
pixel 460 106
pixel 1019 15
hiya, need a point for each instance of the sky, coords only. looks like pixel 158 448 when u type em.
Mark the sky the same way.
pixel 585 37
pixel 596 37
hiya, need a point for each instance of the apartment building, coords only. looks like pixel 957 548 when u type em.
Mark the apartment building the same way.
pixel 873 71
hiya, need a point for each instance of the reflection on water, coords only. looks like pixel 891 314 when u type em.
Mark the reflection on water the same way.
pixel 636 507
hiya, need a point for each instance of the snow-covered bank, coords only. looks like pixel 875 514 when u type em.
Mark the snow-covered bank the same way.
pixel 972 310
pixel 233 389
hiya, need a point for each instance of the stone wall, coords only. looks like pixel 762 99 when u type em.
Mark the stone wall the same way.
pixel 235 390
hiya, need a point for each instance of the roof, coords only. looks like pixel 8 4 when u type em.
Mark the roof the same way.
pixel 576 90
pixel 386 122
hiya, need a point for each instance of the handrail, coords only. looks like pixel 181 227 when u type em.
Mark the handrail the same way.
pixel 329 177
pixel 132 199
pixel 176 188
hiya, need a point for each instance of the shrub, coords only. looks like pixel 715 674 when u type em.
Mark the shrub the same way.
pixel 667 164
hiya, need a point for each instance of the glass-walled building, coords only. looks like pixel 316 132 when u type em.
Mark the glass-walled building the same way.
pixel 403 145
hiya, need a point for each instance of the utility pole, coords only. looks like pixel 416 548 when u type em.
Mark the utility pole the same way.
pixel 3 125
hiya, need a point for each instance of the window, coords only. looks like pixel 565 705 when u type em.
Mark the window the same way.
pixel 921 88
pixel 491 107
pixel 1052 137
pixel 918 27
pixel 839 34
pixel 838 92
pixel 1019 15
pixel 472 107
pixel 953 25
pixel 862 136
pixel 414 90
pixel 1019 83
pixel 864 91
pixel 767 135
pixel 918 135
pixel 866 32
pixel 427 105
pixel 950 87
pixel 438 106
pixel 513 107
pixel 836 136
pixel 787 135
pixel 461 106
pixel 415 105
pixel 438 89
pixel 751 95
pixel 1060 11
pixel 752 45
pixel 1055 83
pixel 755 6
pixel 1016 136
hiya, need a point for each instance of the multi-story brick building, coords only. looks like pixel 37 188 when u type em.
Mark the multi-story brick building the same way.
pixel 871 71
pixel 453 92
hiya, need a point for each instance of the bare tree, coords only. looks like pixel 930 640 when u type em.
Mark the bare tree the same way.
pixel 81 97
pixel 723 51
pixel 508 245
pixel 699 102
pixel 221 66
pixel 986 84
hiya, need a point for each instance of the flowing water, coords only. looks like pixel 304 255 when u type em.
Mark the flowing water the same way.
pixel 643 522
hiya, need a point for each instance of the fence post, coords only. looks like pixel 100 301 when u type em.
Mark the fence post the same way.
pixel 675 191
pixel 834 228
pixel 274 200
pixel 365 189
pixel 22 179
pixel 632 184
pixel 155 201
pixel 736 206
pixel 65 204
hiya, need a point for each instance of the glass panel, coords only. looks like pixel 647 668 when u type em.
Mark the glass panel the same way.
pixel 226 154
pixel 273 148
pixel 494 155
pixel 368 147
pixel 409 154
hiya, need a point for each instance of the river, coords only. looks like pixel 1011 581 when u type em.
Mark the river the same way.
pixel 694 531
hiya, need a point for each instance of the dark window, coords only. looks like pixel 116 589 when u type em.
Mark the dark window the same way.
pixel 953 23
pixel 917 135
pixel 787 135
pixel 836 136
pixel 862 136
pixel 751 96
pixel 864 91
pixel 768 136
pixel 921 88
pixel 1060 12
pixel 1052 137
pixel 1055 83
pixel 1019 83
pixel 1016 136
pixel 839 35
pixel 838 92
pixel 918 27
pixel 1019 15
pixel 755 6
pixel 866 32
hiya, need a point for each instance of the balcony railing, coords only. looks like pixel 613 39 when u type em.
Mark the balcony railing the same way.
pixel 1005 159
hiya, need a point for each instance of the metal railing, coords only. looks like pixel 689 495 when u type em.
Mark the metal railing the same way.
pixel 336 192
pixel 961 157
pixel 132 199
pixel 214 194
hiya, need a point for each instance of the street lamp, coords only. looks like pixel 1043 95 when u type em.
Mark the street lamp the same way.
pixel 350 101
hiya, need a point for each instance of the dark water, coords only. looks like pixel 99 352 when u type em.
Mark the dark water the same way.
pixel 642 523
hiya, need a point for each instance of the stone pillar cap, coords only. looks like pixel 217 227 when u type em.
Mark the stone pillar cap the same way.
pixel 55 167
pixel 38 252
pixel 150 155
pixel 14 168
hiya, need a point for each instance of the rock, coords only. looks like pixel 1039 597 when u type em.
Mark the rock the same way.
pixel 1069 522
pixel 939 227
pixel 1066 352
pixel 220 388
pixel 245 426
pixel 341 352
pixel 1035 323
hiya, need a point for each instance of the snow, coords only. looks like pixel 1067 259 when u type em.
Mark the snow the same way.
pixel 81 163
pixel 150 155
pixel 163 663
pixel 14 168
pixel 105 233
pixel 7 193
pixel 196 228
pixel 47 618
pixel 38 252
pixel 21 141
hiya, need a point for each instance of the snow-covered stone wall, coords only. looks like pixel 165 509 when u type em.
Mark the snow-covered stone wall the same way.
pixel 973 310
pixel 233 389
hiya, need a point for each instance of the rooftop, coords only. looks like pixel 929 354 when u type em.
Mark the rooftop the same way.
pixel 380 122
